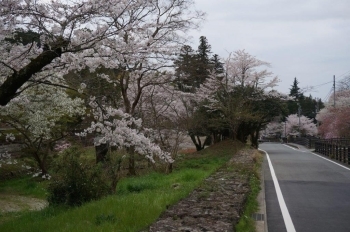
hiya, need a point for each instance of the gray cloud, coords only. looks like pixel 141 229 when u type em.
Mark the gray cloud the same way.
pixel 307 39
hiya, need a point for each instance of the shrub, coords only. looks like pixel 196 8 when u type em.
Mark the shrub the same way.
pixel 75 180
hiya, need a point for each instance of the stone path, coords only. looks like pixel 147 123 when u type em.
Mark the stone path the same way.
pixel 216 205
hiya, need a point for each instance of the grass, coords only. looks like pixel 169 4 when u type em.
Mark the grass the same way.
pixel 15 179
pixel 26 186
pixel 246 223
pixel 139 200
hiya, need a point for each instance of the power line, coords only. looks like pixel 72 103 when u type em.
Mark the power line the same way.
pixel 333 81
pixel 328 95
pixel 332 88
pixel 347 72
pixel 316 86
pixel 320 85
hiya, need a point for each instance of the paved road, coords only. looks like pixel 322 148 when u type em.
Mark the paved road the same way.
pixel 316 192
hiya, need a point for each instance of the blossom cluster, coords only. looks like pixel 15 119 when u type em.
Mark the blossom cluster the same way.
pixel 291 127
pixel 335 119
pixel 5 158
pixel 38 110
pixel 119 129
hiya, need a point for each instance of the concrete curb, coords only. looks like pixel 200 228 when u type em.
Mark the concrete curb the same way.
pixel 261 225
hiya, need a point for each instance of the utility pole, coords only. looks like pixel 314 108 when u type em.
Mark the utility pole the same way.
pixel 285 129
pixel 299 112
pixel 317 110
pixel 333 90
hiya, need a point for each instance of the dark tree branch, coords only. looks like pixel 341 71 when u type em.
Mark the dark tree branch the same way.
pixel 9 88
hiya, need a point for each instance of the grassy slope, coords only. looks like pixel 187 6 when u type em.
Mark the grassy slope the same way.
pixel 138 202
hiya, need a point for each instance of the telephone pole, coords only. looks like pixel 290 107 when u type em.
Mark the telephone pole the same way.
pixel 333 90
pixel 299 112
pixel 317 110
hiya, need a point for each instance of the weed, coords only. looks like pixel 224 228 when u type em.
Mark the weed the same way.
pixel 103 218
pixel 246 223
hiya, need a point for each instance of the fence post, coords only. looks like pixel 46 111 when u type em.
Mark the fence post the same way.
pixel 337 153
pixel 327 149
pixel 349 155
pixel 323 149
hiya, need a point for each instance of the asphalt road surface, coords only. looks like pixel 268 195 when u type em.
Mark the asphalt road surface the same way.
pixel 316 192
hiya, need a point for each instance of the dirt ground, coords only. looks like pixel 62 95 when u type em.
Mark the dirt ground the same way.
pixel 13 203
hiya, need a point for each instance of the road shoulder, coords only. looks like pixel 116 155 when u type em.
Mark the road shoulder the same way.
pixel 261 216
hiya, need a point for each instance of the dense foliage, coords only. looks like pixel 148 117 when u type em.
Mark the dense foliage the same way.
pixel 75 181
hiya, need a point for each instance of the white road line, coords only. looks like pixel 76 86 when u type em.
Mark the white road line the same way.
pixel 330 161
pixel 290 147
pixel 285 213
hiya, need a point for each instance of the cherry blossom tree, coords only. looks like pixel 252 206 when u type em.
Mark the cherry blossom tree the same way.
pixel 238 93
pixel 307 126
pixel 335 120
pixel 273 129
pixel 119 129
pixel 163 111
pixel 246 70
pixel 41 116
pixel 137 40
pixel 117 33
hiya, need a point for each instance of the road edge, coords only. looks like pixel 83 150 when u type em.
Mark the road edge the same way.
pixel 261 226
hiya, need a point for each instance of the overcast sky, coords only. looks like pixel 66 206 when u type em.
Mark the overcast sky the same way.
pixel 307 39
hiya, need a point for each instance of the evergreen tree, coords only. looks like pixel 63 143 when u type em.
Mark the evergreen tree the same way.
pixel 203 62
pixel 309 105
pixel 192 67
pixel 295 90
pixel 217 64
pixel 297 96
pixel 204 50
pixel 185 68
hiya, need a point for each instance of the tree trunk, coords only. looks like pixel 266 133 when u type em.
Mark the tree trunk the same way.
pixel 101 153
pixel 215 138
pixel 41 162
pixel 42 165
pixel 254 138
pixel 170 168
pixel 197 142
pixel 131 153
pixel 208 141
pixel 12 83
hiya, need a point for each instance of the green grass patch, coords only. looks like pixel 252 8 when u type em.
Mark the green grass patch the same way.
pixel 247 223
pixel 26 186
pixel 138 202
